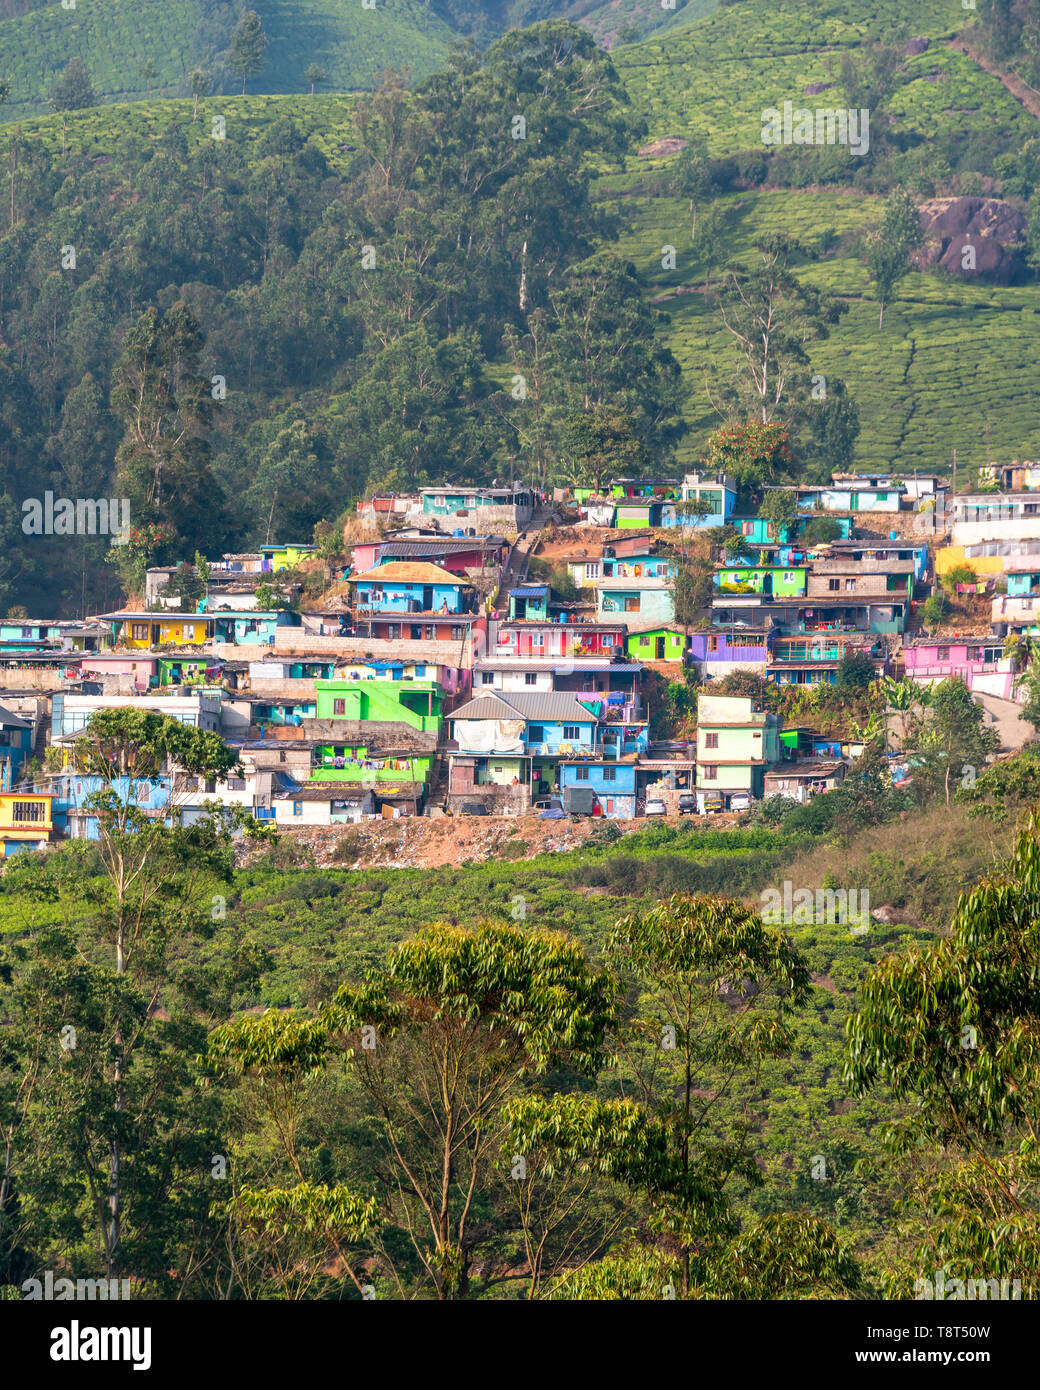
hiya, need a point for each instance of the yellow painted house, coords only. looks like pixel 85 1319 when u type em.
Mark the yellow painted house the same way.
pixel 140 629
pixel 950 556
pixel 25 820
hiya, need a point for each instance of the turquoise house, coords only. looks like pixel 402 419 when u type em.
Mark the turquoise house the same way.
pixel 253 625
pixel 645 600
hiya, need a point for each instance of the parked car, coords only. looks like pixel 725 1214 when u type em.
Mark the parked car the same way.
pixel 655 807
pixel 549 803
pixel 687 803
pixel 740 801
pixel 474 808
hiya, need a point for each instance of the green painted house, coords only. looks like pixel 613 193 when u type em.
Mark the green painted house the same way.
pixel 665 643
pixel 416 703
pixel 774 580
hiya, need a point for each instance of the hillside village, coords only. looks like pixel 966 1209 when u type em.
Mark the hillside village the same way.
pixel 495 651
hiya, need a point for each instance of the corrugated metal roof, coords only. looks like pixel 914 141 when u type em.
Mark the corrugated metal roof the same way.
pixel 546 704
pixel 451 545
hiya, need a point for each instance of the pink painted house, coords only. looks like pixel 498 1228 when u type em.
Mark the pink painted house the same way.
pixel 142 668
pixel 978 661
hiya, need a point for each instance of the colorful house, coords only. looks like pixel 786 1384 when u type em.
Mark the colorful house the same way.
pixel 251 625
pixel 810 660
pixel 529 603
pixel 612 784
pixel 659 642
pixel 511 506
pixel 142 672
pixel 140 630
pixel 416 703
pixel 978 661
pixel 412 587
pixel 718 494
pixel 283 557
pixel 559 639
pixel 723 650
pixel 642 600
pixel 736 742
pixel 776 581
pixel 25 820
pixel 16 747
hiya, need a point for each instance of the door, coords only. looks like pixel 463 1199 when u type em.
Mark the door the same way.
pixel 660 649
pixel 427 598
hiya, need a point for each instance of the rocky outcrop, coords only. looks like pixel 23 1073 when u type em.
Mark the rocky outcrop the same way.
pixel 667 144
pixel 989 226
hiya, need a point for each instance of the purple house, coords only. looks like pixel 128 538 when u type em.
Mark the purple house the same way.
pixel 725 649
pixel 978 661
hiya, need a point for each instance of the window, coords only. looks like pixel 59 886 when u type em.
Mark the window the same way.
pixel 440 501
pixel 833 585
pixel 504 639
pixel 431 632
pixel 942 654
pixel 571 732
pixel 537 639
pixel 139 632
pixel 711 740
pixel 416 632
pixel 393 631
pixel 339 707
pixel 457 633
pixel 471 501
pixel 29 812
pixel 297 808
pixel 610 774
pixel 713 644
pixel 581 774
pixel 535 733
pixel 850 584
pixel 487 677
pixel 530 678
pixel 710 774
pixel 592 571
pixel 632 603
pixel 236 784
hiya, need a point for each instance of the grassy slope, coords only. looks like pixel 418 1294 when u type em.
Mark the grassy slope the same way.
pixel 951 354
pixel 115 37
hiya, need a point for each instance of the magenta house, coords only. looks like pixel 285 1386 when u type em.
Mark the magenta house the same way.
pixel 978 661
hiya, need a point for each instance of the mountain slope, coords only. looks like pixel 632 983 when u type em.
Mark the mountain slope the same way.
pixel 115 39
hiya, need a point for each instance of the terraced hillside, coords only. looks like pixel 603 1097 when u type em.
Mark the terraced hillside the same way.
pixel 954 357
pixel 117 38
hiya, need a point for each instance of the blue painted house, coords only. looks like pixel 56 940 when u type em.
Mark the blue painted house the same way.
pixel 412 586
pixel 73 790
pixel 16 744
pixel 719 494
pixel 613 785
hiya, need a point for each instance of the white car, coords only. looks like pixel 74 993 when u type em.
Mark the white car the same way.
pixel 655 807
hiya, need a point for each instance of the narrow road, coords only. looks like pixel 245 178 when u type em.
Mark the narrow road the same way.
pixel 1007 719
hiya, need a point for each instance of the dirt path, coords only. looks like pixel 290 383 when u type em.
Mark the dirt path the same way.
pixel 1022 93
